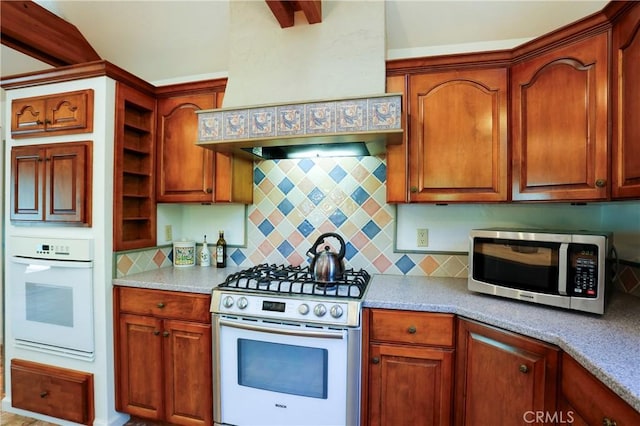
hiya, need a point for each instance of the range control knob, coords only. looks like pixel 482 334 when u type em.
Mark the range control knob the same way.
pixel 227 302
pixel 336 311
pixel 320 310
pixel 242 302
pixel 303 309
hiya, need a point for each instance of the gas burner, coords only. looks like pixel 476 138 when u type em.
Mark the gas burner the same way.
pixel 296 280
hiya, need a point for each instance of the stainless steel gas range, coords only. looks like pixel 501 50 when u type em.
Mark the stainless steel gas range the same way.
pixel 288 344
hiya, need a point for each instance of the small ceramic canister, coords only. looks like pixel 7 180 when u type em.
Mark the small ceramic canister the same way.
pixel 184 253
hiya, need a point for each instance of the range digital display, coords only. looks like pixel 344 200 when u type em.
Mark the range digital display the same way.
pixel 272 306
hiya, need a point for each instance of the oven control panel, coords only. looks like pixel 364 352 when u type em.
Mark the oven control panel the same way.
pixel 317 310
pixel 52 248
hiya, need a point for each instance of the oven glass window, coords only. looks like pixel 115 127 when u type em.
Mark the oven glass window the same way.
pixel 49 304
pixel 526 265
pixel 297 370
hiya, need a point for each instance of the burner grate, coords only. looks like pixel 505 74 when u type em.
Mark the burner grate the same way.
pixel 296 280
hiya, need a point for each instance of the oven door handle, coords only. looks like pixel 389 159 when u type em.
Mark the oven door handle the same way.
pixel 308 333
pixel 53 263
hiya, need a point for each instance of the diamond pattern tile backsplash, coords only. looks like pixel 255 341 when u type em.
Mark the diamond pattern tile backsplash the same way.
pixel 295 201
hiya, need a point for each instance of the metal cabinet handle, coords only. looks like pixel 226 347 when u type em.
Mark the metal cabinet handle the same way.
pixel 375 360
pixel 209 190
pixel 412 329
pixel 44 394
pixel 523 368
pixel 160 305
pixel 413 189
pixel 165 334
pixel 156 332
pixel 601 183
pixel 608 422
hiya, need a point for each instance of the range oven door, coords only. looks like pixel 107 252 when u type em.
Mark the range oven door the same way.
pixel 285 374
pixel 52 305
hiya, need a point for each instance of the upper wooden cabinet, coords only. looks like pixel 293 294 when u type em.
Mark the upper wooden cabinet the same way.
pixel 458 136
pixel 560 123
pixel 186 172
pixel 502 376
pixel 63 113
pixel 51 183
pixel 625 174
pixel 134 205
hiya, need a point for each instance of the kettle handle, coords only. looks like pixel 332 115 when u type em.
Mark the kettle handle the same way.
pixel 313 250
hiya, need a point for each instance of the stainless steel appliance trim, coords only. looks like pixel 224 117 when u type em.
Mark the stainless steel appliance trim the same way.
pixel 562 272
pixel 288 332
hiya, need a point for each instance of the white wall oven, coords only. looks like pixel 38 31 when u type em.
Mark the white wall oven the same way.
pixel 289 345
pixel 51 295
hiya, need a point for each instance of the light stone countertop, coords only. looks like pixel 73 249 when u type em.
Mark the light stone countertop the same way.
pixel 607 345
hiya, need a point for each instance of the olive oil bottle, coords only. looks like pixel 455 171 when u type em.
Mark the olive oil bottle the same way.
pixel 221 251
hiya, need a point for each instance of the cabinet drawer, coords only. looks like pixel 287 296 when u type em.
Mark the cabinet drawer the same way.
pixel 166 304
pixel 412 327
pixel 57 392
pixel 593 401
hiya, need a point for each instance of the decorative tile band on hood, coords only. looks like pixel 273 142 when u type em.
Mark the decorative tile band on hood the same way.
pixel 345 127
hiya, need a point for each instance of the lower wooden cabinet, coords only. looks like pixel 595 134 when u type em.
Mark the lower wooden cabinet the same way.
pixel 502 378
pixel 53 391
pixel 163 355
pixel 584 400
pixel 408 368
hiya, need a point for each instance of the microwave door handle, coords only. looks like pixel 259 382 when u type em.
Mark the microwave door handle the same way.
pixel 562 269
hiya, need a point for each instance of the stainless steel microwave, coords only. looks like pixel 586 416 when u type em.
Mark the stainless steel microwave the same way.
pixel 570 270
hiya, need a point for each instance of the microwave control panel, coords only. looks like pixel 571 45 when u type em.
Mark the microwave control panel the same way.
pixel 582 276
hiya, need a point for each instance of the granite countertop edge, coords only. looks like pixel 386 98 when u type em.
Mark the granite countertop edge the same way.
pixel 605 345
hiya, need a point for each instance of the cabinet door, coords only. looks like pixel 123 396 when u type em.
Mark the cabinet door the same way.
pixel 185 170
pixel 409 385
pixel 188 372
pixel 68 187
pixel 397 155
pixel 560 123
pixel 502 376
pixel 139 390
pixel 626 104
pixel 458 136
pixel 27 177
pixel 69 111
pixel 27 115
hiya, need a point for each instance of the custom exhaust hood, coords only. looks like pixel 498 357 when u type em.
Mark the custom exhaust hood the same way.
pixel 310 90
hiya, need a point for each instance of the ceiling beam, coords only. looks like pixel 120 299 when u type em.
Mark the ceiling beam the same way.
pixel 284 11
pixel 31 29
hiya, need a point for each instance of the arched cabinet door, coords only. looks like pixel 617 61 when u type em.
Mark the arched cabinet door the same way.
pixel 625 106
pixel 458 136
pixel 560 123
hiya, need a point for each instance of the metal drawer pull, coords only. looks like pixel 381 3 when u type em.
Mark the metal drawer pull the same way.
pixel 165 334
pixel 44 394
pixel 160 305
pixel 608 422
pixel 375 360
pixel 156 332
pixel 523 368
pixel 412 329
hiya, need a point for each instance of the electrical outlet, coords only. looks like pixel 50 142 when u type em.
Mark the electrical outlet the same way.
pixel 168 233
pixel 422 237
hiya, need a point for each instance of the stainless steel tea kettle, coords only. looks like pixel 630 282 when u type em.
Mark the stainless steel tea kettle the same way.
pixel 327 266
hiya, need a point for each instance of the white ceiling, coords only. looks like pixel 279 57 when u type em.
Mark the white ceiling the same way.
pixel 173 41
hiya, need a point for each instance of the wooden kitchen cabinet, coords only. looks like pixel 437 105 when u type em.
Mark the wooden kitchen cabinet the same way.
pixel 63 113
pixel 53 391
pixel 51 183
pixel 501 376
pixel 587 401
pixel 407 368
pixel 189 173
pixel 625 105
pixel 560 123
pixel 134 204
pixel 458 136
pixel 163 355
